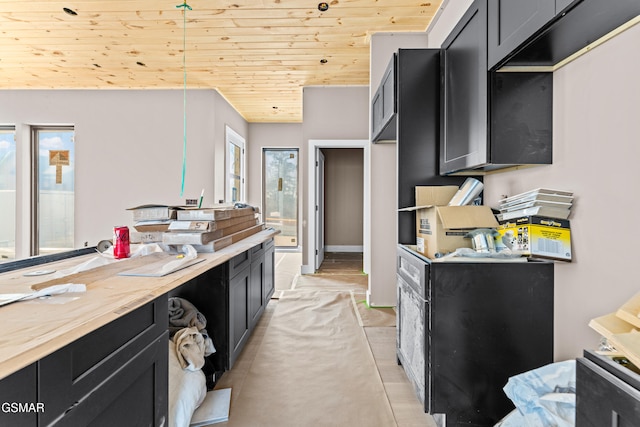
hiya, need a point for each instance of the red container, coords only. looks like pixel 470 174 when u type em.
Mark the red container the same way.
pixel 121 248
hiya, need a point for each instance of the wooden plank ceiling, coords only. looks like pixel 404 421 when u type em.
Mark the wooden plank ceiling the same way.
pixel 258 54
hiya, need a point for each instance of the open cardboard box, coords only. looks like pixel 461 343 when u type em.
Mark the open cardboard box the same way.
pixel 441 229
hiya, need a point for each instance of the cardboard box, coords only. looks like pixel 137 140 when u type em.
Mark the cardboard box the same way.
pixel 441 229
pixel 538 237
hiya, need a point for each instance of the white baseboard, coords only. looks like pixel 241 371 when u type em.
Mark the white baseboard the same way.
pixel 307 269
pixel 343 248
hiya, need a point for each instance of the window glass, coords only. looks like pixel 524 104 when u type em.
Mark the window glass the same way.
pixel 7 193
pixel 56 189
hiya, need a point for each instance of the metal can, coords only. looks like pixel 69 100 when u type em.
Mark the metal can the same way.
pixel 121 248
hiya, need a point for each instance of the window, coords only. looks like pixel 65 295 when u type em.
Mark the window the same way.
pixel 7 193
pixel 53 192
pixel 234 167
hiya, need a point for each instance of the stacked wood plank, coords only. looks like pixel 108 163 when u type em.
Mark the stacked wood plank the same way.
pixel 211 229
pixel 622 329
pixel 206 229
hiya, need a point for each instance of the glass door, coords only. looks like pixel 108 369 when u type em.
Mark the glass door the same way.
pixel 280 192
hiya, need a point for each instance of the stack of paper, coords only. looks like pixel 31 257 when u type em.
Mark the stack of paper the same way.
pixel 540 202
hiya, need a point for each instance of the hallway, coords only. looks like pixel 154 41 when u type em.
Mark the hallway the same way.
pixel 341 276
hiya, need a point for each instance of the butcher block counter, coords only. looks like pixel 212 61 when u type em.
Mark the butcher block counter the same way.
pixel 38 333
pixel 33 329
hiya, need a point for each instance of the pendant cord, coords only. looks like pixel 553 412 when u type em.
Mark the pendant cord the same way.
pixel 184 92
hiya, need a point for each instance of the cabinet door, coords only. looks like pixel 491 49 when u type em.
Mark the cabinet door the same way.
pixel 20 388
pixel 66 376
pixel 463 142
pixel 269 271
pixel 512 22
pixel 384 105
pixel 256 289
pixel 412 333
pixel 377 112
pixel 133 395
pixel 238 314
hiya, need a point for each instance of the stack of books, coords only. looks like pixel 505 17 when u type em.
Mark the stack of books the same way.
pixel 211 229
pixel 539 202
pixel 151 221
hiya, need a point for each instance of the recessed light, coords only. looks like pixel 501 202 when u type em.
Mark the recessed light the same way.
pixel 323 7
pixel 70 11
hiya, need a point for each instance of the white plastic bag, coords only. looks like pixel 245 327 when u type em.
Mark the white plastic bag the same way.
pixel 544 397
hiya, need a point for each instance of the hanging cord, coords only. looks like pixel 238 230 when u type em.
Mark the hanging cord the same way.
pixel 186 7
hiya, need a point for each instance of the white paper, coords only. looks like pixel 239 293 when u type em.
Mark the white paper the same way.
pixel 214 408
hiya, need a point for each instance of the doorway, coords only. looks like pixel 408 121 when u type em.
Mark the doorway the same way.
pixel 280 194
pixel 316 202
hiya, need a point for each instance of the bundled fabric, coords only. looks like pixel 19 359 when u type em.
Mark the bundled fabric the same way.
pixel 183 314
pixel 190 348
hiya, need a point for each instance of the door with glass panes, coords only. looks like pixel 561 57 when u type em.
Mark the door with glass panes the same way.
pixel 280 193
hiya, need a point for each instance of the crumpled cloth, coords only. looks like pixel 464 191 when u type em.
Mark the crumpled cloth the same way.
pixel 183 314
pixel 190 348
pixel 209 349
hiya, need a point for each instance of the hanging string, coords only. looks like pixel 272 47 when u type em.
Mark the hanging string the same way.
pixel 186 7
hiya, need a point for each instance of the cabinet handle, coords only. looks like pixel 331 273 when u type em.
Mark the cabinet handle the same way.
pixel 614 419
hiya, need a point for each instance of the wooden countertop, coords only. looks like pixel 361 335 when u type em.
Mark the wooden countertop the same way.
pixel 36 328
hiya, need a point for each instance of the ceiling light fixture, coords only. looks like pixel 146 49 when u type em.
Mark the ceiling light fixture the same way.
pixel 323 7
pixel 70 11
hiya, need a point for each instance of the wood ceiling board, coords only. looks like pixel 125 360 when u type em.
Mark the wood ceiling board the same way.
pixel 256 53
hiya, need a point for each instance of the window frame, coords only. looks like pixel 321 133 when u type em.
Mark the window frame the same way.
pixel 34 244
pixel 234 138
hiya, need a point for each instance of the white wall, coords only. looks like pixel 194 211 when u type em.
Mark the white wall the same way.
pixel 128 149
pixel 595 154
pixel 383 231
pixel 330 113
pixel 272 135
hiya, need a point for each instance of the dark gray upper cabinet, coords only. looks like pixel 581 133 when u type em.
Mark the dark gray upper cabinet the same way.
pixel 512 22
pixel 489 120
pixel 464 92
pixel 574 25
pixel 384 106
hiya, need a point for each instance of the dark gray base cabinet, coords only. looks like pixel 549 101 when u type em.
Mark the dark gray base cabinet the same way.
pixel 463 328
pixel 233 297
pixel 116 375
pixel 607 394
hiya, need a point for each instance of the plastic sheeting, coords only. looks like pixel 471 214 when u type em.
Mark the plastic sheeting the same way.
pixel 544 397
